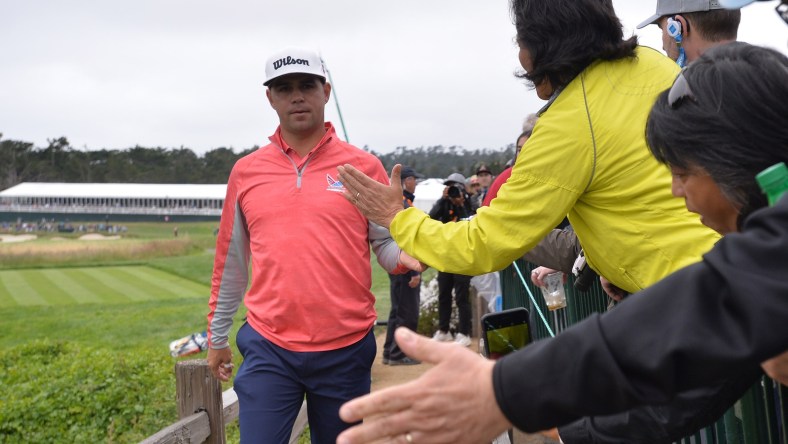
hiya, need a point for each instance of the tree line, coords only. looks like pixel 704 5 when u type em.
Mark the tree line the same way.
pixel 60 162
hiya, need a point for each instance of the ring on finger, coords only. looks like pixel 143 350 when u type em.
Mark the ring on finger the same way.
pixel 357 195
pixel 408 437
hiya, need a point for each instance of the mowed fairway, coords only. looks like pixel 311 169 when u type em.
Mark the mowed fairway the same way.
pixel 112 284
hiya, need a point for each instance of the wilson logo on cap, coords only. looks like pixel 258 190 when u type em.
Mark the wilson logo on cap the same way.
pixel 293 61
pixel 289 61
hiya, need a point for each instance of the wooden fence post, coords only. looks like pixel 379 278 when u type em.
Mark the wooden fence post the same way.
pixel 197 390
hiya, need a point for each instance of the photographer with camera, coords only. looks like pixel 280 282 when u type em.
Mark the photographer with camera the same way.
pixel 452 207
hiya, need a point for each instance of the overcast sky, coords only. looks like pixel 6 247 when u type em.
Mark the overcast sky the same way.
pixel 172 73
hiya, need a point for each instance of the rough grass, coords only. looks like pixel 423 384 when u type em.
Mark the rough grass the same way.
pixel 77 252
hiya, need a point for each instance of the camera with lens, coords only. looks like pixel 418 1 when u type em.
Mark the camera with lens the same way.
pixel 456 190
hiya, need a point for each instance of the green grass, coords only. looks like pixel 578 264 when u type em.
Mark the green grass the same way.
pixel 120 313
pixel 94 285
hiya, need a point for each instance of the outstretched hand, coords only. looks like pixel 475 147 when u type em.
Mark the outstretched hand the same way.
pixel 452 402
pixel 376 201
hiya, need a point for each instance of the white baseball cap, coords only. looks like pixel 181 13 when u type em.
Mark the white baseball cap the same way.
pixel 293 61
pixel 671 7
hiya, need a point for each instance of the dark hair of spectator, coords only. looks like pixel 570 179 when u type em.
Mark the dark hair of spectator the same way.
pixel 523 134
pixel 715 25
pixel 565 36
pixel 734 123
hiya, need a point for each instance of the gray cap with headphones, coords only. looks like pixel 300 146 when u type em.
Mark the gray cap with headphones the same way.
pixel 671 7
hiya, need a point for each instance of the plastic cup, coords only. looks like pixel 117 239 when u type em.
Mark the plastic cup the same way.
pixel 553 291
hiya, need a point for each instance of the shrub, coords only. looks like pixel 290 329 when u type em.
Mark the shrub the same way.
pixel 54 391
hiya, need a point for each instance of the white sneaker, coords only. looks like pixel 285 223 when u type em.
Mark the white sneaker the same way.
pixel 463 340
pixel 442 337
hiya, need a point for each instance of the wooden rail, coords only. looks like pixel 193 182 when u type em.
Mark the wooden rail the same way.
pixel 203 409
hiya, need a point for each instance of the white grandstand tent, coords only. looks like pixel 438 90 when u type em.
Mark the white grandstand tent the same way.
pixel 114 198
pixel 428 191
pixel 147 199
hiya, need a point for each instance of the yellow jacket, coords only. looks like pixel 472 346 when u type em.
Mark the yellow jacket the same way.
pixel 588 159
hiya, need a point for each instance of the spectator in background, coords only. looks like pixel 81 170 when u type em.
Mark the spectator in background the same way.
pixel 691 27
pixel 451 208
pixel 472 187
pixel 459 179
pixel 308 332
pixel 405 289
pixel 485 180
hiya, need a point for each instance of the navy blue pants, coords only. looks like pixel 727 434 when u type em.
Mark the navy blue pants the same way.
pixel 272 382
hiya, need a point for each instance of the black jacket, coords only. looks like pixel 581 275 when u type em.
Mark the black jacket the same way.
pixel 703 326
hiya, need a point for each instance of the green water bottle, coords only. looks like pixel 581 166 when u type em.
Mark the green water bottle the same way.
pixel 774 182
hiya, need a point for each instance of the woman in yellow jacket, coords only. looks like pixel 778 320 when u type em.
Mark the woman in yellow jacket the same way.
pixel 587 158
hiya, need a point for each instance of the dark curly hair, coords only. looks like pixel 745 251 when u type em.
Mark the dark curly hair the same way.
pixel 734 124
pixel 565 36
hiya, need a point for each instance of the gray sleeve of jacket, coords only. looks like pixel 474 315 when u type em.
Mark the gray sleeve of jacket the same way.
pixel 233 282
pixel 558 250
pixel 385 249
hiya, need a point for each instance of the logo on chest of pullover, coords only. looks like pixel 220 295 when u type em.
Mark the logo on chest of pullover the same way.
pixel 334 185
pixel 289 61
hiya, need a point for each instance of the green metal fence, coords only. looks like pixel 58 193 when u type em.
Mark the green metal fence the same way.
pixel 759 417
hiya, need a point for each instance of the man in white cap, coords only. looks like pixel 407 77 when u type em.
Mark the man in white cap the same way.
pixel 690 27
pixel 308 331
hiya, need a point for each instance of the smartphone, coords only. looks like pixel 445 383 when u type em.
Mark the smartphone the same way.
pixel 505 331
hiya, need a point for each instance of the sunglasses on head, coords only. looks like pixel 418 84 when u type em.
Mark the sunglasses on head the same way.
pixel 679 92
pixel 782 11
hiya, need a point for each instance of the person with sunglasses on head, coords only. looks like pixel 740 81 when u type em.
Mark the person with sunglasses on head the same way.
pixel 719 125
pixel 777 367
pixel 716 178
